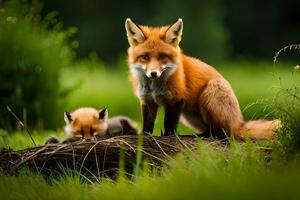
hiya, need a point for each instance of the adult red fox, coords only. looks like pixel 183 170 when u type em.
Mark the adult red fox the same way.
pixel 185 86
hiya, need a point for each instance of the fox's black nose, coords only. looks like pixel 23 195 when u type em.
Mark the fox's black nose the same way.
pixel 153 74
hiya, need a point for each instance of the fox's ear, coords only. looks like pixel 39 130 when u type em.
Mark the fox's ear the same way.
pixel 134 34
pixel 103 114
pixel 174 33
pixel 67 117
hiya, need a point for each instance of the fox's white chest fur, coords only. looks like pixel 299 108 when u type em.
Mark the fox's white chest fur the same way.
pixel 153 89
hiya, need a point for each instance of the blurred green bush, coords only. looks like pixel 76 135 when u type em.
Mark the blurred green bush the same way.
pixel 32 52
pixel 205 34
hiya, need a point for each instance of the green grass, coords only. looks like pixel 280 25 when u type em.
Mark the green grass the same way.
pixel 241 172
pixel 21 140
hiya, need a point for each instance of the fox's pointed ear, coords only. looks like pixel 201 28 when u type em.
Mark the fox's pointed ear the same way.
pixel 134 34
pixel 67 117
pixel 174 33
pixel 103 114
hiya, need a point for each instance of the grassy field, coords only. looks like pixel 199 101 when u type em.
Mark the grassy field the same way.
pixel 241 172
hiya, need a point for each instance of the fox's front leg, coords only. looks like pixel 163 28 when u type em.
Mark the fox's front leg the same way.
pixel 172 114
pixel 149 111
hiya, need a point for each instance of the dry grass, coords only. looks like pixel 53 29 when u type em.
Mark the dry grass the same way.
pixel 95 158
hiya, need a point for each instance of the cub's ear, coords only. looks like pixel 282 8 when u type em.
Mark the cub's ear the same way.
pixel 103 114
pixel 67 117
pixel 135 35
pixel 174 33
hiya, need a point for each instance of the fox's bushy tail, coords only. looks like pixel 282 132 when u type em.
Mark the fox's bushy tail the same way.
pixel 259 129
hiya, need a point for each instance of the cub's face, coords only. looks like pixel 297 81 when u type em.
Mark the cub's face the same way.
pixel 86 123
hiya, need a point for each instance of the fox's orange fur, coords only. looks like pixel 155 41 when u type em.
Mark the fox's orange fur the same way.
pixel 88 123
pixel 208 101
pixel 85 123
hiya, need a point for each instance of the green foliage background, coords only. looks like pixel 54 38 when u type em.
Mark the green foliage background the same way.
pixel 41 76
pixel 214 30
pixel 32 56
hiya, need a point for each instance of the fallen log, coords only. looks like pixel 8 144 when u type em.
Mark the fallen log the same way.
pixel 96 158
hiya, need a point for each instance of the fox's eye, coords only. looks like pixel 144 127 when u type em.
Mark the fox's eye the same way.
pixel 145 57
pixel 92 131
pixel 162 57
pixel 79 134
pixel 95 133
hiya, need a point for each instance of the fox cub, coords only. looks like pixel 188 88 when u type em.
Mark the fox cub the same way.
pixel 186 87
pixel 88 123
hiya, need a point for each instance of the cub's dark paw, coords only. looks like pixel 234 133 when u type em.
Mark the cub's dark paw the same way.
pixel 68 140
pixel 169 133
pixel 98 137
pixel 51 140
